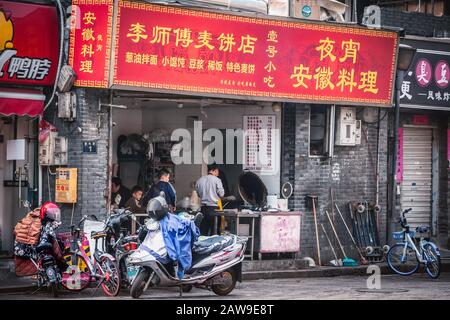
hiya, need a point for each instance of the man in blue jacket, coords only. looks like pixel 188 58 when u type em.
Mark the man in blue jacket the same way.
pixel 162 185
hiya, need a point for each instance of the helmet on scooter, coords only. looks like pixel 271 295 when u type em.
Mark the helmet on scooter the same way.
pixel 158 207
pixel 51 211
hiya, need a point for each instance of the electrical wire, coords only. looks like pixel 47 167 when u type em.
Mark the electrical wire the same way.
pixel 61 51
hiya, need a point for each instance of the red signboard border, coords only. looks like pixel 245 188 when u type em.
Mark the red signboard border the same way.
pixel 255 95
pixel 90 83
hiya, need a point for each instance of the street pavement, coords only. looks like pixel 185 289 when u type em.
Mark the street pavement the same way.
pixel 392 287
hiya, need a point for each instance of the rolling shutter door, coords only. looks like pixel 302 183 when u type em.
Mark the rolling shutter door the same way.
pixel 417 175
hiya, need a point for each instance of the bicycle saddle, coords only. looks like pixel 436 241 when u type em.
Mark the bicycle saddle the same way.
pixel 97 234
pixel 422 229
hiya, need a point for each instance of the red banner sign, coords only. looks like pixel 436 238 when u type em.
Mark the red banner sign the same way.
pixel 166 48
pixel 26 56
pixel 399 169
pixel 90 41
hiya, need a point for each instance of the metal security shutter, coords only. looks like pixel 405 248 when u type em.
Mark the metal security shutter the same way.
pixel 417 175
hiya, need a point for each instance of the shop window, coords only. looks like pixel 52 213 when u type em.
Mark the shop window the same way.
pixel 321 130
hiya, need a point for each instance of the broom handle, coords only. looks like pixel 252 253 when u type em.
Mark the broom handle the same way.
pixel 317 232
pixel 345 224
pixel 329 242
pixel 335 234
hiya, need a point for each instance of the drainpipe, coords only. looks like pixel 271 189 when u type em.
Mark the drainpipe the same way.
pixel 394 214
pixel 110 154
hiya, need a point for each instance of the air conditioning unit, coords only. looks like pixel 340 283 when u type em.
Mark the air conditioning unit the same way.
pixel 67 103
pixel 67 77
pixel 346 127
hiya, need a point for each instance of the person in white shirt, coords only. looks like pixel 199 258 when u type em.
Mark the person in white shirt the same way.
pixel 210 190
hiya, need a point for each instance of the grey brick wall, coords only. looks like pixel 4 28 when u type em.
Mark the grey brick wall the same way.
pixel 92 168
pixel 350 174
pixel 419 24
pixel 288 146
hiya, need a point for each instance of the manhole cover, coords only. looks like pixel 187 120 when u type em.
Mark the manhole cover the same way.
pixel 381 290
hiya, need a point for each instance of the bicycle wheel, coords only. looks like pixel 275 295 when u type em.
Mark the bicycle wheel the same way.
pixel 433 267
pixel 111 276
pixel 77 275
pixel 401 261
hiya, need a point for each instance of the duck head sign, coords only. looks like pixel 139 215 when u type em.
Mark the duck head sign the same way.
pixel 26 56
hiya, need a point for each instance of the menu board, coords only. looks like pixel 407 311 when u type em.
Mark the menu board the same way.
pixel 259 143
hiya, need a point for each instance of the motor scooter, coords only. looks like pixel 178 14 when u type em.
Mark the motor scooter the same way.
pixel 216 263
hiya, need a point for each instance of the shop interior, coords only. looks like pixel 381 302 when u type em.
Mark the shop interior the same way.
pixel 142 128
pixel 18 172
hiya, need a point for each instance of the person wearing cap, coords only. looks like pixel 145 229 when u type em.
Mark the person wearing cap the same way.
pixel 210 190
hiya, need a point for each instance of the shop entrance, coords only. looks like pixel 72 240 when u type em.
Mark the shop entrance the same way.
pixel 18 140
pixel 154 120
pixel 417 182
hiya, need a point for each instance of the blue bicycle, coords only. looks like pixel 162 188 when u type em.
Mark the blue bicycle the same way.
pixel 405 257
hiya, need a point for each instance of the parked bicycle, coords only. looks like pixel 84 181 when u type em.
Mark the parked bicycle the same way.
pixel 100 269
pixel 120 244
pixel 405 257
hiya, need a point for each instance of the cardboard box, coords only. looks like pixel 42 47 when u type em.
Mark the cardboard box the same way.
pixel 305 9
pixel 279 8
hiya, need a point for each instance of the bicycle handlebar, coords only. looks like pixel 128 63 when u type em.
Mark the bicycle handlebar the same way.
pixel 406 211
pixel 402 219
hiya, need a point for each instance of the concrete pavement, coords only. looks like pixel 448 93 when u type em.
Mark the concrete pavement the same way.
pixel 353 287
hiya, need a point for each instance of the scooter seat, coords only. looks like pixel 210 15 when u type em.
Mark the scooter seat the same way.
pixel 212 244
pixel 44 246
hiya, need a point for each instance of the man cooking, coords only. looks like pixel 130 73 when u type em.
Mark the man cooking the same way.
pixel 210 190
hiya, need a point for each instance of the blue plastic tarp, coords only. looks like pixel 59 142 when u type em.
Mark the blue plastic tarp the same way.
pixel 179 236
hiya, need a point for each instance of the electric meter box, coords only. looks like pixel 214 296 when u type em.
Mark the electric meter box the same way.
pixel 66 185
pixel 358 132
pixel 53 151
pixel 67 102
pixel 346 127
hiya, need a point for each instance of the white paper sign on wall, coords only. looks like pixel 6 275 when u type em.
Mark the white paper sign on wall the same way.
pixel 15 149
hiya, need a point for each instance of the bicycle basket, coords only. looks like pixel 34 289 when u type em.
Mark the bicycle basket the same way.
pixel 397 235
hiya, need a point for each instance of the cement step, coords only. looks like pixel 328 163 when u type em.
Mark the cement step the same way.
pixel 273 265
pixel 7 269
pixel 324 272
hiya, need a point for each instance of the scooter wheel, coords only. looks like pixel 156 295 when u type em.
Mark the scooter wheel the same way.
pixel 137 289
pixel 229 280
pixel 186 288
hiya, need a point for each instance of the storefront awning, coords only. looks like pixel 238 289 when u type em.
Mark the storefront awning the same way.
pixel 21 102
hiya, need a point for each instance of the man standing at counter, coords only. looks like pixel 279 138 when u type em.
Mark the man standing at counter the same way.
pixel 210 190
